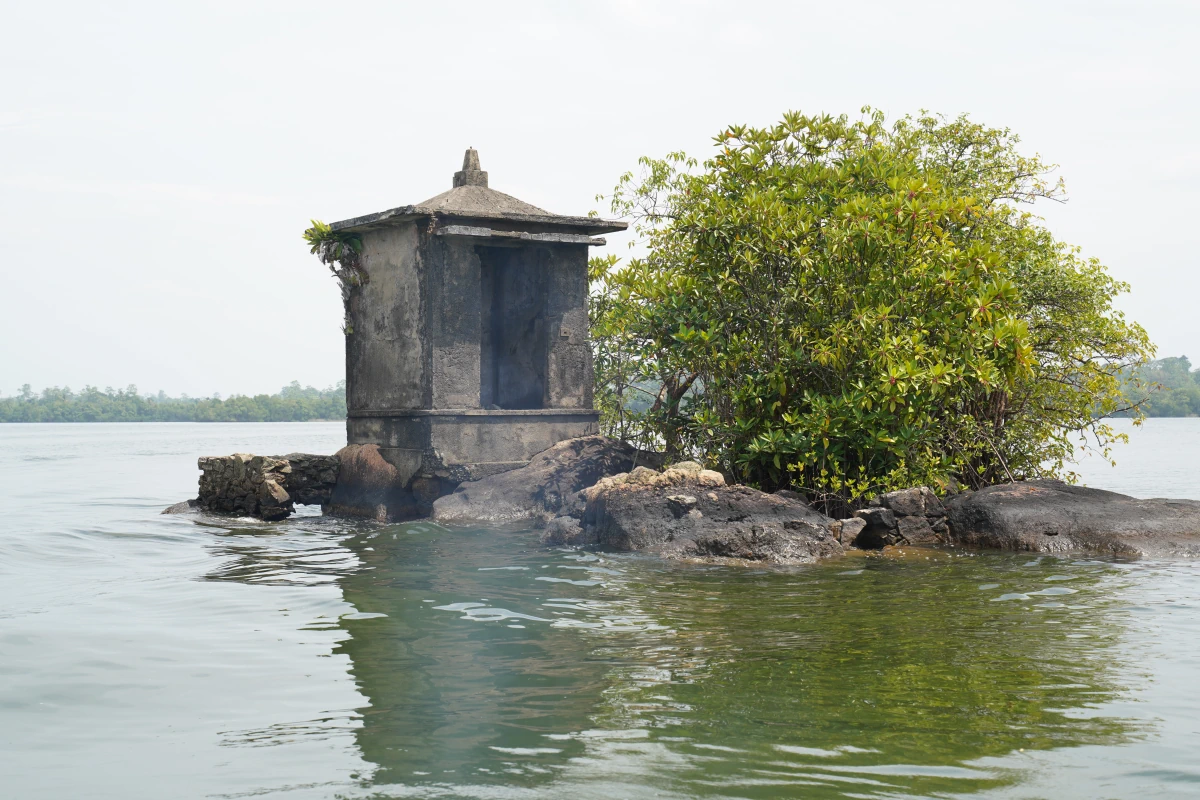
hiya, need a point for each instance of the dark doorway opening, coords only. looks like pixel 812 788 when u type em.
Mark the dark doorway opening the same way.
pixel 513 350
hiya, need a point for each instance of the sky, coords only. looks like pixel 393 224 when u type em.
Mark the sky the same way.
pixel 159 161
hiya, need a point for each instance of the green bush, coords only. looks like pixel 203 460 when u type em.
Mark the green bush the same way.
pixel 852 307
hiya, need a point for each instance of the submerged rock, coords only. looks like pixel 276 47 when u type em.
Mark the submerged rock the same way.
pixel 549 486
pixel 689 512
pixel 184 507
pixel 1049 516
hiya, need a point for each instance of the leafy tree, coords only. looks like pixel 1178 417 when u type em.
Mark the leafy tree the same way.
pixel 852 307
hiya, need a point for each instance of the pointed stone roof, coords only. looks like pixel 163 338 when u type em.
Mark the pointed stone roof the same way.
pixel 471 198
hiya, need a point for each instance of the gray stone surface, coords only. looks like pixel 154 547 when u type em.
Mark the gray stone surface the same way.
pixel 469 349
pixel 311 478
pixel 550 485
pixel 905 517
pixel 915 529
pixel 905 502
pixel 691 513
pixel 847 530
pixel 1054 517
pixel 879 529
pixel 184 507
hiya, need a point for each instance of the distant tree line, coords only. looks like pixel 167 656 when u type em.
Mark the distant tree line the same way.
pixel 293 403
pixel 1171 388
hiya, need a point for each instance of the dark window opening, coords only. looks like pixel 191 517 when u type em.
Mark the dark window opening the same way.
pixel 513 350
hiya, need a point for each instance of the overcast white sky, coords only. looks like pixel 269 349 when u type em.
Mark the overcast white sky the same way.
pixel 158 161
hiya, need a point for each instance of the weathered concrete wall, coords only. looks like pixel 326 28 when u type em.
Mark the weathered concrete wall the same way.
pixel 498 436
pixel 506 438
pixel 569 352
pixel 385 367
pixel 455 327
pixel 454 336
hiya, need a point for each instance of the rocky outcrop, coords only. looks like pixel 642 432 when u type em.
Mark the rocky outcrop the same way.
pixel 1048 516
pixel 689 512
pixel 549 486
pixel 267 487
pixel 908 516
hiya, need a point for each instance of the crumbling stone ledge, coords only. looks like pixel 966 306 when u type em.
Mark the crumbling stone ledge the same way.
pixel 589 491
pixel 266 487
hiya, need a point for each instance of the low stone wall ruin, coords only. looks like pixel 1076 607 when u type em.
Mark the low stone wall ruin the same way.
pixel 267 487
pixel 907 516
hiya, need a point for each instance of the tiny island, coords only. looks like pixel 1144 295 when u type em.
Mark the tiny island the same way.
pixel 845 335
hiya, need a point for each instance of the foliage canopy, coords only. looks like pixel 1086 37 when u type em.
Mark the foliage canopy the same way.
pixel 855 306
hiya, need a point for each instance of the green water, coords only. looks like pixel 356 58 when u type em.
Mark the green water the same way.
pixel 622 674
pixel 147 656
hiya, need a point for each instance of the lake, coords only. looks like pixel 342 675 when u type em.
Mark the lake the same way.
pixel 150 656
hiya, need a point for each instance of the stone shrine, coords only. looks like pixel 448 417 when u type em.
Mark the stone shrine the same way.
pixel 467 349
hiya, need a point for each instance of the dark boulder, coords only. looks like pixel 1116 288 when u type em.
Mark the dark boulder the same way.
pixel 879 529
pixel 1048 516
pixel 687 512
pixel 549 486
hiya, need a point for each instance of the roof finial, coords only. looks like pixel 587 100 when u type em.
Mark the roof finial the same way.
pixel 470 174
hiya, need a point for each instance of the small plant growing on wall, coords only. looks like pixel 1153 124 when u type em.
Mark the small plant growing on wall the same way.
pixel 342 253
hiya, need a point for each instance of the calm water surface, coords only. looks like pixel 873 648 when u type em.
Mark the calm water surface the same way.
pixel 148 656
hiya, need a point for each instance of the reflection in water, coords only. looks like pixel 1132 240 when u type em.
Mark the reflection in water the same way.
pixel 493 667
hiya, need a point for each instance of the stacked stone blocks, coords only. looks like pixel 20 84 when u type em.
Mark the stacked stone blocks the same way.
pixel 266 487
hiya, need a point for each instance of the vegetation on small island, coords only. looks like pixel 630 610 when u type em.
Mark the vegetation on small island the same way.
pixel 293 403
pixel 1168 387
pixel 851 307
pixel 341 253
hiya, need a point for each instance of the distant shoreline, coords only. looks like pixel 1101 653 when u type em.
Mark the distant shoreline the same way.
pixel 292 403
pixel 167 421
